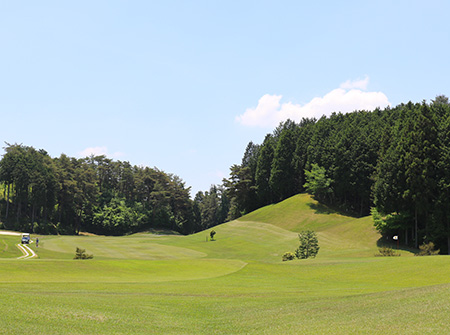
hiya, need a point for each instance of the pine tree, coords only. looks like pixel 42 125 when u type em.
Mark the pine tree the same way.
pixel 283 179
pixel 263 170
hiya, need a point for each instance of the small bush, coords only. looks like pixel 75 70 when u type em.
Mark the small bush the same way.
pixel 427 249
pixel 288 256
pixel 81 254
pixel 212 234
pixel 386 252
pixel 309 245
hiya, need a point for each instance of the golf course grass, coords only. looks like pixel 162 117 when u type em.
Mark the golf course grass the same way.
pixel 237 284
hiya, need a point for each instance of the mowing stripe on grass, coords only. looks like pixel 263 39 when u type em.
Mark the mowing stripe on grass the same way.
pixel 114 271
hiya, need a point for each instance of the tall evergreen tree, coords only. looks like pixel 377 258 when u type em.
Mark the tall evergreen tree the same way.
pixel 240 191
pixel 263 170
pixel 304 134
pixel 283 177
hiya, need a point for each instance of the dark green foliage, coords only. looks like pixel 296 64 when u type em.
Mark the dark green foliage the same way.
pixel 427 249
pixel 81 254
pixel 386 252
pixel 407 177
pixel 390 224
pixel 309 245
pixel 304 133
pixel 116 218
pixel 212 234
pixel 288 256
pixel 395 160
pixel 66 195
pixel 211 207
pixel 241 191
pixel 263 171
pixel 441 100
pixel 283 177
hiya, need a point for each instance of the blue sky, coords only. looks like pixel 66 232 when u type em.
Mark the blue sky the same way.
pixel 185 85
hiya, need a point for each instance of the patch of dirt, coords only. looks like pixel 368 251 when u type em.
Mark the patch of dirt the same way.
pixel 8 232
pixel 83 233
pixel 159 232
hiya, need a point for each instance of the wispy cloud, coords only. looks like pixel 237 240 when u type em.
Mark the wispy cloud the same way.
pixel 358 83
pixel 350 96
pixel 98 151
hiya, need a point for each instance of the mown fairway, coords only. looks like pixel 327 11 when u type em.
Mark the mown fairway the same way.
pixel 149 284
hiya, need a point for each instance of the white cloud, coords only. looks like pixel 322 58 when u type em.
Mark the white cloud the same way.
pixel 359 83
pixel 98 151
pixel 265 114
pixel 347 98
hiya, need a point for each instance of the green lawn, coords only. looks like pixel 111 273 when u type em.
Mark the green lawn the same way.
pixel 8 248
pixel 153 284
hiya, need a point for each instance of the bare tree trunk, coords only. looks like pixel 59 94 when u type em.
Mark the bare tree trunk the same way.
pixel 33 210
pixel 7 203
pixel 44 210
pixel 19 208
pixel 416 225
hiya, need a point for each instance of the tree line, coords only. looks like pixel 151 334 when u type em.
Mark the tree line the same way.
pixel 67 195
pixel 390 162
pixel 393 162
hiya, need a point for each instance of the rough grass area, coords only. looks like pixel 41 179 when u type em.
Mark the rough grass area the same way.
pixel 8 247
pixel 237 284
pixel 372 296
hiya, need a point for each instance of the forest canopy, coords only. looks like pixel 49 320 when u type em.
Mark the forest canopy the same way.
pixel 66 195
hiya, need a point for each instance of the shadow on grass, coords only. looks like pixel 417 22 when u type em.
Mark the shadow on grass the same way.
pixel 320 208
pixel 162 231
pixel 383 242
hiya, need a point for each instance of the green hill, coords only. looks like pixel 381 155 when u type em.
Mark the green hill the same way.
pixel 339 235
pixel 263 235
pixel 237 284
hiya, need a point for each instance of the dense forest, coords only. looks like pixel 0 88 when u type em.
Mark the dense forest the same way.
pixel 391 163
pixel 67 195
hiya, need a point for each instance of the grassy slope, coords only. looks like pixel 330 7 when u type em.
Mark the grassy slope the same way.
pixel 236 284
pixel 338 235
pixel 8 247
pixel 263 235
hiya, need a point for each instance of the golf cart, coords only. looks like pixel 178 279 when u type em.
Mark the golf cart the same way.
pixel 26 238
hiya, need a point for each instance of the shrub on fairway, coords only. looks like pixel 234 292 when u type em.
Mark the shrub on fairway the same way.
pixel 309 245
pixel 288 256
pixel 81 254
pixel 212 234
pixel 386 252
pixel 427 249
